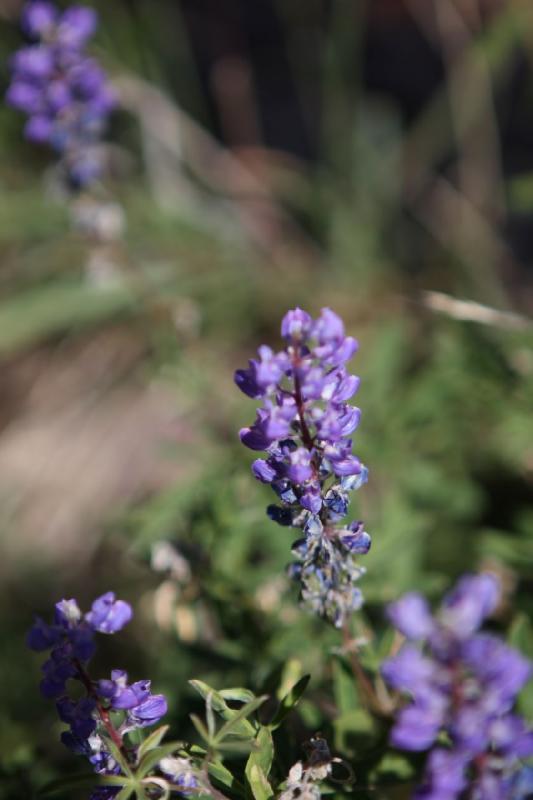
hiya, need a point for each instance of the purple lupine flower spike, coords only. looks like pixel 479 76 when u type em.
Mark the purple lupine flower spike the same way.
pixel 305 426
pixel 70 639
pixel 462 683
pixel 65 94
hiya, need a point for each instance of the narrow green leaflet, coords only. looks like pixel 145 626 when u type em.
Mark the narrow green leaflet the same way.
pixel 231 726
pixel 261 789
pixel 290 701
pixel 155 739
pixel 238 694
pixel 150 759
pixel 119 757
pixel 219 705
pixel 200 727
pixel 259 764
pixel 222 775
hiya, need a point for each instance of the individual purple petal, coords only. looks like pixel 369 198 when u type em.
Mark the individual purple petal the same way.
pixel 67 613
pixel 296 324
pixel 38 129
pixel 108 615
pixel 81 639
pixel 346 466
pixel 245 379
pixel 24 97
pixel 510 735
pixel 411 616
pixel 328 327
pixel 299 469
pixel 408 670
pixel 42 636
pixel 35 62
pixel 416 728
pixel 502 670
pixel 311 499
pixel 38 18
pixel 255 437
pixel 445 776
pixel 355 538
pixel 149 712
pixel 469 728
pixel 77 25
pixel 263 471
pixel 346 388
pixel 469 603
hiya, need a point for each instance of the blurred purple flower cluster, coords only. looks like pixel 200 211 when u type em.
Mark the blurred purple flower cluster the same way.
pixel 70 639
pixel 463 686
pixel 64 92
pixel 305 425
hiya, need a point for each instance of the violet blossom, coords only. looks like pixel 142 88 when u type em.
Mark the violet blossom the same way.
pixel 462 685
pixel 70 640
pixel 305 426
pixel 63 91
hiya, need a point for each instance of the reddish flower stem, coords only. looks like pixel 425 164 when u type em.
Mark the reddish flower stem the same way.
pixel 103 712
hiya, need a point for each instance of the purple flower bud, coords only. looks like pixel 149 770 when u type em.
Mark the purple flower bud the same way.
pixel 355 538
pixel 296 324
pixel 42 636
pixel 263 471
pixel 39 129
pixel 34 62
pixel 416 728
pixel 148 712
pixel 108 615
pixel 299 468
pixel 411 616
pixel 246 381
pixel 38 18
pixel 472 600
pixel 311 499
pixel 67 613
pixel 445 777
pixel 24 97
pixel 328 327
pixel 76 26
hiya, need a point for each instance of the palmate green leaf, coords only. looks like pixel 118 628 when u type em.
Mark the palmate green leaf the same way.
pixel 259 764
pixel 153 740
pixel 231 726
pixel 290 701
pixel 219 705
pixel 153 757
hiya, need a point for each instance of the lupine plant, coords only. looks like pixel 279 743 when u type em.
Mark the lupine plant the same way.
pixel 63 91
pixel 463 685
pixel 305 425
pixel 106 721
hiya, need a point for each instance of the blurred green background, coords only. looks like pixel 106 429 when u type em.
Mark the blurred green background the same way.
pixel 375 157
